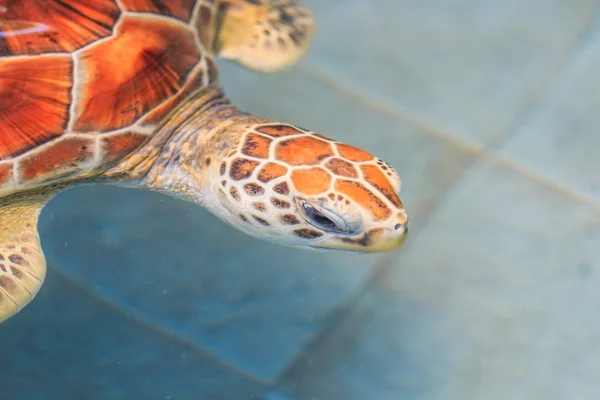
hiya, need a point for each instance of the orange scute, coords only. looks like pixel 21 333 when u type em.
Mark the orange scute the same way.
pixel 352 153
pixel 256 146
pixel 304 150
pixel 34 101
pixel 377 178
pixel 271 171
pixel 117 146
pixel 6 173
pixel 181 9
pixel 57 160
pixel 323 137
pixel 155 116
pixel 341 168
pixel 278 130
pixel 40 26
pixel 147 62
pixel 363 197
pixel 311 181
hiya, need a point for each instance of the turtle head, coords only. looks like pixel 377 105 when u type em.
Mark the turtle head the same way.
pixel 294 187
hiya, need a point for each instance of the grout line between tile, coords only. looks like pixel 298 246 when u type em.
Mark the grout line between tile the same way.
pixel 381 107
pixel 556 83
pixel 152 326
pixel 545 180
pixel 489 153
pixel 342 311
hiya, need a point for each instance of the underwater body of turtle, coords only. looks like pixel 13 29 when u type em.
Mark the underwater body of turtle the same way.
pixel 126 92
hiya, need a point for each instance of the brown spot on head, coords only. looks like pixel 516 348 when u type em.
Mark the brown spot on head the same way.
pixel 234 193
pixel 308 233
pixel 261 221
pixel 242 168
pixel 271 171
pixel 256 146
pixel 207 161
pixel 304 150
pixel 223 168
pixel 311 181
pixel 254 189
pixel 363 197
pixel 375 177
pixel 279 203
pixel 260 206
pixel 341 168
pixel 3 268
pixel 289 219
pixel 282 188
pixel 244 218
pixel 353 153
pixel 278 130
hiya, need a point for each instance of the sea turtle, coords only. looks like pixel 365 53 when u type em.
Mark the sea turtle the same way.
pixel 126 92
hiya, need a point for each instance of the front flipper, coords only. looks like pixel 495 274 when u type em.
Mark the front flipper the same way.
pixel 264 35
pixel 22 263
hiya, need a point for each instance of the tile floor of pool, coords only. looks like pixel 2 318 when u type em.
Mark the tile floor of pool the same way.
pixel 488 110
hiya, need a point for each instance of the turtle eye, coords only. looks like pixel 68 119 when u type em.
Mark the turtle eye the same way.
pixel 319 219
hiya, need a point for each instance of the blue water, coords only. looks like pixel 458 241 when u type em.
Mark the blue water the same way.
pixel 487 109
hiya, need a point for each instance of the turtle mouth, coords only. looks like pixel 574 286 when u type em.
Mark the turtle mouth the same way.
pixel 375 240
pixel 337 250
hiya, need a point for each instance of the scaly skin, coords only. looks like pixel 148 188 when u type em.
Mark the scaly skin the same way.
pixel 264 35
pixel 22 262
pixel 271 180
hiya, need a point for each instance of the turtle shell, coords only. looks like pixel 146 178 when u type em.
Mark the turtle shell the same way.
pixel 85 83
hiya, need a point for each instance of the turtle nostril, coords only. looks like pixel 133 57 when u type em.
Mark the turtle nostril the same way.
pixel 398 226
